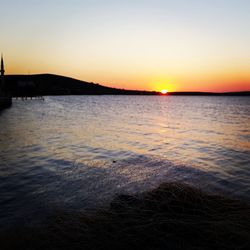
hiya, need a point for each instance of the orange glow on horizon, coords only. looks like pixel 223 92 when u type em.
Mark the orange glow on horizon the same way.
pixel 201 81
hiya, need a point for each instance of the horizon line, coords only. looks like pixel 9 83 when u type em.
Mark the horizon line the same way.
pixel 169 92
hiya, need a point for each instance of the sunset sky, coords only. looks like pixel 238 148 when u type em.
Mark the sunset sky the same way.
pixel 178 45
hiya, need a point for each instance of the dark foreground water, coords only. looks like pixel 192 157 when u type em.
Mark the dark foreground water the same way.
pixel 77 152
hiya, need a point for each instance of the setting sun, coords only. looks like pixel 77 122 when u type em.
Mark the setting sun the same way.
pixel 164 91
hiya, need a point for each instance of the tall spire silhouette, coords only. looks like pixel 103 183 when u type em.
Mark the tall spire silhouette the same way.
pixel 2 65
pixel 2 72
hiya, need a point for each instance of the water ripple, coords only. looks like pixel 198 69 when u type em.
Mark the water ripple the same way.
pixel 76 152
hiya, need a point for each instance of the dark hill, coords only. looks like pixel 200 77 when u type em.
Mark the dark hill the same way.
pixel 49 84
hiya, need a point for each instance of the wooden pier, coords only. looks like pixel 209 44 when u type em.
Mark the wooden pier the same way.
pixel 23 98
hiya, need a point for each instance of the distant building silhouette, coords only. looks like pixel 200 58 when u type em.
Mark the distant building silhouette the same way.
pixel 25 84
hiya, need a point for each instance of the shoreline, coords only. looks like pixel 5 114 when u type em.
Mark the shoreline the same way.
pixel 172 216
pixel 5 101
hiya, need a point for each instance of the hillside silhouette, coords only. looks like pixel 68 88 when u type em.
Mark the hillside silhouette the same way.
pixel 50 84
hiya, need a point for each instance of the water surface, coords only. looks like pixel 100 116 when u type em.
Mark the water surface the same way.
pixel 77 152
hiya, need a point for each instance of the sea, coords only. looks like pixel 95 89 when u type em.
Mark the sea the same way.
pixel 76 153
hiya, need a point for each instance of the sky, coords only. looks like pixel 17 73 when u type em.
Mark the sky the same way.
pixel 178 45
